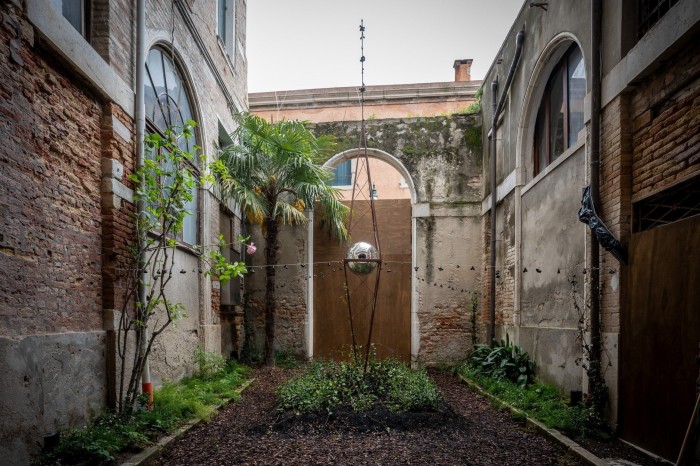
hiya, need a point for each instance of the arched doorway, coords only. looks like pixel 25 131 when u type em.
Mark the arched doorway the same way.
pixel 393 332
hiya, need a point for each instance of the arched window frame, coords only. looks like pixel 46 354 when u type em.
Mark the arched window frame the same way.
pixel 172 115
pixel 543 152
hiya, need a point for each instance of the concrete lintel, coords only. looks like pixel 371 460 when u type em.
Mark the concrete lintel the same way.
pixel 445 210
pixel 73 47
pixel 112 186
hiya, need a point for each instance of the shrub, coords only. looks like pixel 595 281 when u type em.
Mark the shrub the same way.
pixel 503 360
pixel 326 386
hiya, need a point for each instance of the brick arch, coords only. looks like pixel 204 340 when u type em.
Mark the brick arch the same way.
pixel 377 154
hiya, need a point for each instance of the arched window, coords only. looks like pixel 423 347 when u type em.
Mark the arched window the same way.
pixel 560 115
pixel 168 105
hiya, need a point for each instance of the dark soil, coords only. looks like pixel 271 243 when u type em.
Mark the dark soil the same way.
pixel 465 430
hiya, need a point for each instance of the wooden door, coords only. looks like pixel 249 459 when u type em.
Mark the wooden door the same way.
pixel 391 332
pixel 659 338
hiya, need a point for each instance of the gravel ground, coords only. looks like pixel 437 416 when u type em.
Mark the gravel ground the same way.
pixel 465 430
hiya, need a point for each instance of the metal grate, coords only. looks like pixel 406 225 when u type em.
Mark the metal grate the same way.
pixel 673 204
pixel 650 12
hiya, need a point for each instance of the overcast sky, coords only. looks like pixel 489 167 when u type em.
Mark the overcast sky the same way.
pixel 302 44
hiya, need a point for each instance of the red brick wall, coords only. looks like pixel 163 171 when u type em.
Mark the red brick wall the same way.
pixel 50 248
pixel 113 34
pixel 615 200
pixel 117 219
pixel 666 115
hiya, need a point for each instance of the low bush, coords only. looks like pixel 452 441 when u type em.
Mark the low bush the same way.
pixel 174 404
pixel 504 360
pixel 325 386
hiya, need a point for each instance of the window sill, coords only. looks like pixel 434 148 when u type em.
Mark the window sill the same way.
pixel 224 52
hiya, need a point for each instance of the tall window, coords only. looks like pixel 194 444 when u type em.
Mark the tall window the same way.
pixel 342 174
pixel 560 115
pixel 168 105
pixel 225 21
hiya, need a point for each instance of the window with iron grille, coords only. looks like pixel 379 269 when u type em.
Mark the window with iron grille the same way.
pixel 671 205
pixel 650 12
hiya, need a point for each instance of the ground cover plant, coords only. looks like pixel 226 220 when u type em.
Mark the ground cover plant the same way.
pixel 193 398
pixel 327 386
pixel 507 372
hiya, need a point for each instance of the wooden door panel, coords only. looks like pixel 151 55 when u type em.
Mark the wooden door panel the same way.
pixel 660 331
pixel 391 333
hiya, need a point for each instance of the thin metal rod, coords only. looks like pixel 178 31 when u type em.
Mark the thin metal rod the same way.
pixel 371 319
pixel 347 299
pixel 596 21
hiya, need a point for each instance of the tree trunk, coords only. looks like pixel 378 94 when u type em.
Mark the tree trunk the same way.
pixel 271 249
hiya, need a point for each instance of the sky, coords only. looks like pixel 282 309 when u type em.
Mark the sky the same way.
pixel 305 44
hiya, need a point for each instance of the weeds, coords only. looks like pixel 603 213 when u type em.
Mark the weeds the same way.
pixel 174 404
pixel 539 401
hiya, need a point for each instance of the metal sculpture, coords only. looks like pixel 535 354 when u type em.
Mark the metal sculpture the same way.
pixel 363 257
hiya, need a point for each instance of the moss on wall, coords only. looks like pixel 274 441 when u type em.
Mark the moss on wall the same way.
pixel 441 153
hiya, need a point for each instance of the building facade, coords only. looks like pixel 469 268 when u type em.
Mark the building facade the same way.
pixel 647 173
pixel 68 111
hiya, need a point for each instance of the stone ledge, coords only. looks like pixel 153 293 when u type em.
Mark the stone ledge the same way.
pixel 150 454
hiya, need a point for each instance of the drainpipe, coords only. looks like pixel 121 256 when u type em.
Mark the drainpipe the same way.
pixel 140 115
pixel 596 22
pixel 497 108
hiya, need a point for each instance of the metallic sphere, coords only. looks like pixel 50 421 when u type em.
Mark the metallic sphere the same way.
pixel 362 250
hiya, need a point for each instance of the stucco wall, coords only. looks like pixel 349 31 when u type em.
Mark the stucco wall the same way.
pixel 553 241
pixel 442 157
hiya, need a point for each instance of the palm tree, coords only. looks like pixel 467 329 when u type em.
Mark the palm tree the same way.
pixel 271 172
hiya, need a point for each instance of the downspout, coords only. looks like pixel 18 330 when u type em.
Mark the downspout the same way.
pixel 596 21
pixel 140 115
pixel 497 108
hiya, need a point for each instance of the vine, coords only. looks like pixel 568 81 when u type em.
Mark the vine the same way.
pixel 597 398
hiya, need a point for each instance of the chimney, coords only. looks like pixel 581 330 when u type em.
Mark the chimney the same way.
pixel 463 70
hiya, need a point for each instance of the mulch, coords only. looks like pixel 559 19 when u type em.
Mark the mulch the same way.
pixel 465 430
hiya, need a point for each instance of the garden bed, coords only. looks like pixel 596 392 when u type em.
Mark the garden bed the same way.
pixel 464 429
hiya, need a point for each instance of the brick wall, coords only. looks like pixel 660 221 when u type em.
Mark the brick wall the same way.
pixel 665 110
pixel 112 33
pixel 50 249
pixel 615 202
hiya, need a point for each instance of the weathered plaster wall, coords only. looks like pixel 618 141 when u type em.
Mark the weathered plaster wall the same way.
pixel 52 347
pixel 36 372
pixel 441 155
pixel 549 320
pixel 290 291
